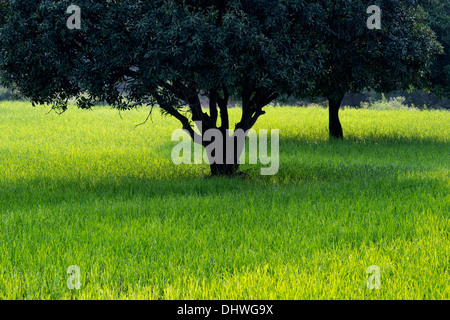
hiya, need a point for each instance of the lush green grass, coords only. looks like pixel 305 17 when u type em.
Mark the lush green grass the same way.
pixel 88 188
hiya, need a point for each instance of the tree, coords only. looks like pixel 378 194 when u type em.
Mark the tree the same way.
pixel 165 52
pixel 4 6
pixel 439 21
pixel 397 56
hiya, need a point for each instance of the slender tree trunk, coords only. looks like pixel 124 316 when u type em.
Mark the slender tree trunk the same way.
pixel 335 126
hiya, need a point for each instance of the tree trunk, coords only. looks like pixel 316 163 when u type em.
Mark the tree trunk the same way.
pixel 224 169
pixel 230 167
pixel 334 123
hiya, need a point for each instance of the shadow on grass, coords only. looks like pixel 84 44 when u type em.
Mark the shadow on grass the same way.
pixel 347 159
pixel 340 182
pixel 332 164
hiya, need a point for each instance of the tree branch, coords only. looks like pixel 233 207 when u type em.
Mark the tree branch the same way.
pixel 177 115
pixel 223 107
pixel 213 96
pixel 189 96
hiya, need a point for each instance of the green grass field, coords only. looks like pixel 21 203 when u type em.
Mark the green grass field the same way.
pixel 89 188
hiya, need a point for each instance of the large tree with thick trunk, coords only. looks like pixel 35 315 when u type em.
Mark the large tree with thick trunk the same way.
pixel 396 56
pixel 168 53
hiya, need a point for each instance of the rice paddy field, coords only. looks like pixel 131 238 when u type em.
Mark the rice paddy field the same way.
pixel 92 189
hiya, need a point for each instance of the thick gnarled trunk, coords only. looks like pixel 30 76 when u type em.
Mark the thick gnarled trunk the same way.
pixel 253 100
pixel 225 161
pixel 335 126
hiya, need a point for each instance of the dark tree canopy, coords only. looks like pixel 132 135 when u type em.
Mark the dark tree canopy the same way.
pixel 171 52
pixel 439 21
pixel 165 52
pixel 397 56
pixel 4 7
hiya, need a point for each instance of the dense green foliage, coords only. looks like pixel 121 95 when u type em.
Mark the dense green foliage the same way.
pixel 170 52
pixel 88 188
pixel 4 6
pixel 439 21
pixel 395 57
pixel 164 52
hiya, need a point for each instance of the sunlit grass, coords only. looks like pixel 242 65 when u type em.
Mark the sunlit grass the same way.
pixel 90 188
